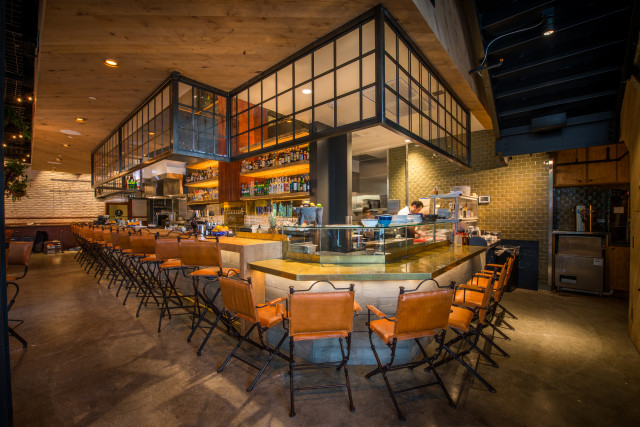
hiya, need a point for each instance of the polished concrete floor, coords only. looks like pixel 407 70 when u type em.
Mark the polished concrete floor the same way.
pixel 90 361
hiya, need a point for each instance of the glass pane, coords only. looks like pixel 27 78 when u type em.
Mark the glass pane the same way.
pixel 255 140
pixel 220 125
pixel 403 119
pixel 390 106
pixel 415 121
pixel 243 100
pixel 434 89
pixel 424 77
pixel 323 88
pixel 285 129
pixel 186 94
pixel 323 59
pixel 403 84
pixel 415 68
pixel 269 87
pixel 424 129
pixel 303 69
pixel 303 123
pixel 255 119
pixel 414 94
pixel 269 107
pixel 243 122
pixel 433 132
pixel 403 55
pixel 390 73
pixel 285 78
pixel 255 96
pixel 348 109
pixel 390 41
pixel 368 70
pixel 243 143
pixel 303 97
pixel 285 103
pixel 323 116
pixel 368 36
pixel 348 78
pixel 368 103
pixel 348 47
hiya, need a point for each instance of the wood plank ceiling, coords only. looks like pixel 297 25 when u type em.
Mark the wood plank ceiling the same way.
pixel 222 44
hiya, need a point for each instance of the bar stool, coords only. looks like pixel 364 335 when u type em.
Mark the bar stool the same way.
pixel 205 257
pixel 240 303
pixel 418 315
pixel 142 247
pixel 19 253
pixel 319 315
pixel 168 258
pixel 461 320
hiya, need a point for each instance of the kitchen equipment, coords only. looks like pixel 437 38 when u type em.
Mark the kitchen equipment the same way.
pixel 465 190
pixel 579 262
pixel 369 222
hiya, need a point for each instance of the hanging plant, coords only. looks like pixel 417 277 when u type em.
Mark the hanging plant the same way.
pixel 11 117
pixel 16 180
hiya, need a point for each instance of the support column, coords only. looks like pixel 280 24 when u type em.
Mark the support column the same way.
pixel 330 172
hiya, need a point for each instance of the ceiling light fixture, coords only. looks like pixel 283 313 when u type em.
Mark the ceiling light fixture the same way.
pixel 110 62
pixel 152 133
pixel 66 145
pixel 549 21
pixel 58 159
pixel 80 119
pixel 4 145
pixel 13 136
pixel 306 91
pixel 20 136
pixel 30 98
pixel 19 99
pixel 24 160
pixel 70 132
pixel 92 98
pixel 407 140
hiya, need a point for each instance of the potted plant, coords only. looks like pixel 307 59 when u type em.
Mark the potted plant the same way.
pixel 16 180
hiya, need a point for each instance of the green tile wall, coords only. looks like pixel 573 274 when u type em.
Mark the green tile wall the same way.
pixel 519 191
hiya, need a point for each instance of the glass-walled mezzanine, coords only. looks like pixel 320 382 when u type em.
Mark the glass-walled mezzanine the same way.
pixel 367 72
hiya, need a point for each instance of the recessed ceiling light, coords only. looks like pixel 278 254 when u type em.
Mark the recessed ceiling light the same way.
pixel 53 163
pixel 70 132
pixel 80 119
pixel 58 159
pixel 306 91
pixel 69 136
pixel 93 98
pixel 110 62
pixel 66 145
pixel 152 133
pixel 30 98
pixel 407 140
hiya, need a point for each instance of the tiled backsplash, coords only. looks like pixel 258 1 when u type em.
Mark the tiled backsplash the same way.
pixel 565 200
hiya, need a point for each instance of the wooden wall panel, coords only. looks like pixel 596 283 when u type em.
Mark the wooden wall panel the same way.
pixel 229 181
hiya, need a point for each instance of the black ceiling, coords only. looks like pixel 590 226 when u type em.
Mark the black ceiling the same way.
pixel 561 90
pixel 21 29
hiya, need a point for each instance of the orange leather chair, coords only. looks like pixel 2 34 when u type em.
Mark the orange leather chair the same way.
pixel 206 259
pixel 320 315
pixel 19 253
pixel 465 321
pixel 240 303
pixel 418 315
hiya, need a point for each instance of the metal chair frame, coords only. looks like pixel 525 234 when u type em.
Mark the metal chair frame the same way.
pixel 426 359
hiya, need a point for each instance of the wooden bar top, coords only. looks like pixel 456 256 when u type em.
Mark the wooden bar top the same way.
pixel 425 265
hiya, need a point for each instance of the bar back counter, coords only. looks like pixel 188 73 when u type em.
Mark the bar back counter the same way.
pixel 378 260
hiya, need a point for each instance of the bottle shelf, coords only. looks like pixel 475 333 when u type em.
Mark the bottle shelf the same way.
pixel 203 202
pixel 207 183
pixel 297 168
pixel 202 165
pixel 281 196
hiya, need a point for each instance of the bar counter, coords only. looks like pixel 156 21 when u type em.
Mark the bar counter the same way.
pixel 375 284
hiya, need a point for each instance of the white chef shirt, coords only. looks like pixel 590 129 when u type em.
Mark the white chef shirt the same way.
pixel 404 211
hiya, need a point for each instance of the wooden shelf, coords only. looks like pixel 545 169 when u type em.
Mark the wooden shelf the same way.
pixel 282 196
pixel 208 183
pixel 296 168
pixel 203 202
pixel 202 165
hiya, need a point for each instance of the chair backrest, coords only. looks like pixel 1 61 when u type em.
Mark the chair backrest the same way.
pixel 422 313
pixel 486 298
pixel 167 248
pixel 239 298
pixel 97 235
pixel 106 235
pixel 143 244
pixel 200 253
pixel 314 312
pixel 502 282
pixel 124 240
pixel 19 253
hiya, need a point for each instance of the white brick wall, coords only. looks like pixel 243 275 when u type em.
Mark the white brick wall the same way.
pixel 54 197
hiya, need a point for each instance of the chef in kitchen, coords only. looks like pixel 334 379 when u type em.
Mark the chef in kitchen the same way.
pixel 415 208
